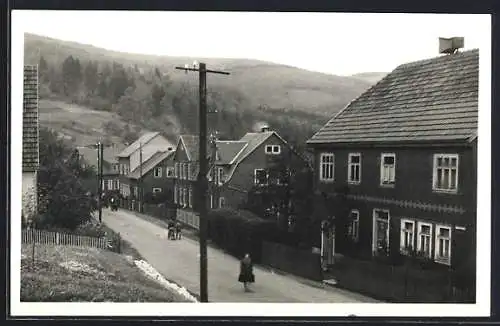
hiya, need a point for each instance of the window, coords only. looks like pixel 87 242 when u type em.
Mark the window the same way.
pixel 116 184
pixel 222 202
pixel 188 171
pixel 170 171
pixel 155 190
pixel 353 229
pixel 136 191
pixel 381 222
pixel 326 167
pixel 260 177
pixel 443 244
pixel 445 175
pixel 110 184
pixel 424 242
pixel 176 169
pixel 190 198
pixel 407 236
pixel 185 197
pixel 176 194
pixel 354 172
pixel 273 149
pixel 388 169
pixel 220 176
pixel 157 172
pixel 211 201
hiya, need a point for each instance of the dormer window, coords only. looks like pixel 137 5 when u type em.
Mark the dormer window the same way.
pixel 273 149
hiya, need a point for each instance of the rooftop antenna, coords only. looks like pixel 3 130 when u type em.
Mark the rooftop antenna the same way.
pixel 450 45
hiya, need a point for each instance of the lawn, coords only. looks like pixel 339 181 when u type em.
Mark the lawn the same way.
pixel 74 274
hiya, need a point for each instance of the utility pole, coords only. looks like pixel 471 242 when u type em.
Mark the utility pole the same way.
pixel 140 177
pixel 203 170
pixel 100 154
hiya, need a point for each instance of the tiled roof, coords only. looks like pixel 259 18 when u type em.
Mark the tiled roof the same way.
pixel 90 156
pixel 227 150
pixel 151 163
pixel 30 120
pixel 191 143
pixel 144 139
pixel 429 100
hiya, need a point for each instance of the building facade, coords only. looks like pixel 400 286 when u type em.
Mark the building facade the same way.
pixel 395 171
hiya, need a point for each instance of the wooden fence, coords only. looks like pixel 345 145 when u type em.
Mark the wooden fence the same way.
pixel 63 239
pixel 190 218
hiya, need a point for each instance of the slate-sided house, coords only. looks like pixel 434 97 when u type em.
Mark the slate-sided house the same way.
pixel 157 175
pixel 397 166
pixel 111 175
pixel 239 166
pixel 141 150
pixel 30 142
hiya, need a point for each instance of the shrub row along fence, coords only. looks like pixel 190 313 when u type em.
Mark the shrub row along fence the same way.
pixel 63 239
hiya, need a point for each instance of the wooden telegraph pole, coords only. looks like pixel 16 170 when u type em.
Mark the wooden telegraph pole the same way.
pixel 100 154
pixel 203 170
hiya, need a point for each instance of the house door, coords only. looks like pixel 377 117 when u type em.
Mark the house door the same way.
pixel 327 245
pixel 380 232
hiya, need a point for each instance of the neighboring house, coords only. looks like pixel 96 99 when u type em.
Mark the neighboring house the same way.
pixel 396 168
pixel 157 176
pixel 139 151
pixel 111 180
pixel 238 167
pixel 30 143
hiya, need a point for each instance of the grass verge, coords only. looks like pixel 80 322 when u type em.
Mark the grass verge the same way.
pixel 69 274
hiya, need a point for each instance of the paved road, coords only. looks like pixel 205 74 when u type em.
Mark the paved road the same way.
pixel 179 261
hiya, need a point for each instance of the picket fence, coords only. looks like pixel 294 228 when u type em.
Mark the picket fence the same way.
pixel 63 239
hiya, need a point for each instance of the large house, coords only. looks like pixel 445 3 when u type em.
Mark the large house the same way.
pixel 155 176
pixel 395 170
pixel 238 167
pixel 110 175
pixel 137 153
pixel 30 143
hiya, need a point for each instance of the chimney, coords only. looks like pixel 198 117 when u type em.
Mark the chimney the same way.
pixel 450 45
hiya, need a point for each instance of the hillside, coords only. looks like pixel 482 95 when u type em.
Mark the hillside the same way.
pixel 261 83
pixel 370 77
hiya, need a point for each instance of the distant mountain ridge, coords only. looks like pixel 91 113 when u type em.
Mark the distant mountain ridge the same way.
pixel 261 83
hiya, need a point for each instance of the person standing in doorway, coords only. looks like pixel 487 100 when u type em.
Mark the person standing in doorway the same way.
pixel 246 272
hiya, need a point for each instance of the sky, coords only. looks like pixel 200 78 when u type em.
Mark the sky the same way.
pixel 335 43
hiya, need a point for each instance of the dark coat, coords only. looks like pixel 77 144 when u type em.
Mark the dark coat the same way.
pixel 246 271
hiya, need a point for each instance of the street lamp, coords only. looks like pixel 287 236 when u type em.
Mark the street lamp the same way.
pixel 203 170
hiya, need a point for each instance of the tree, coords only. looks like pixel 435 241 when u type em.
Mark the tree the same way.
pixel 91 78
pixel 43 70
pixel 157 95
pixel 71 75
pixel 64 201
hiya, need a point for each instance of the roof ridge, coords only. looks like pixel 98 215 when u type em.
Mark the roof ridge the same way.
pixel 439 58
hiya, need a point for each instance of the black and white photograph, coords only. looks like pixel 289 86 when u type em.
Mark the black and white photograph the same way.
pixel 186 163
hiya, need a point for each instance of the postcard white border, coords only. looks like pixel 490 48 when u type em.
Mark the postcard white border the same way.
pixel 481 308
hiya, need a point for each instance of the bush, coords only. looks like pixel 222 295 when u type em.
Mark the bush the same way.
pixel 239 232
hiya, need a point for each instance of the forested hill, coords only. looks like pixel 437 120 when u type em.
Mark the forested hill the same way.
pixel 148 91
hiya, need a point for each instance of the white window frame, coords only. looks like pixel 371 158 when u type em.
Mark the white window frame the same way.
pixel 273 149
pixel 388 233
pixel 185 196
pixel 176 194
pixel 222 202
pixel 110 184
pixel 157 172
pixel 156 189
pixel 419 233
pixel 349 164
pixel 190 197
pixel 211 201
pixel 403 232
pixel 169 170
pixel 437 237
pixel 435 168
pixel 176 170
pixel 220 174
pixel 188 171
pixel 354 225
pixel 389 183
pixel 255 178
pixel 322 177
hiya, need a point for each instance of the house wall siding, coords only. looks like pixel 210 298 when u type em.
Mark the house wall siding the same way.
pixel 29 197
pixel 411 197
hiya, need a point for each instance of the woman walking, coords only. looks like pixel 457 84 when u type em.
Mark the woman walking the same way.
pixel 246 272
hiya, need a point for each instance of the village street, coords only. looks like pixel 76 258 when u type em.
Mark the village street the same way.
pixel 178 261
